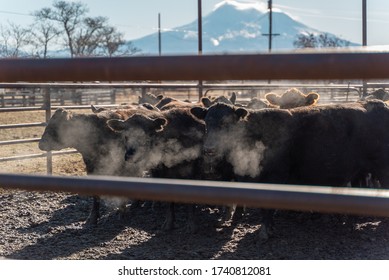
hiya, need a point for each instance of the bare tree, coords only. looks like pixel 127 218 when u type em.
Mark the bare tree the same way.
pixel 14 40
pixel 43 33
pixel 84 36
pixel 322 40
pixel 68 15
pixel 113 44
pixel 89 36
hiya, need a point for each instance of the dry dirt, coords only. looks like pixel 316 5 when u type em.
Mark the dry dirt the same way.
pixel 52 225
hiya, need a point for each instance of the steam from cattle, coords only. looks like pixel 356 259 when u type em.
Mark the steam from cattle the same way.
pixel 246 159
pixel 149 154
pixel 232 143
pixel 151 142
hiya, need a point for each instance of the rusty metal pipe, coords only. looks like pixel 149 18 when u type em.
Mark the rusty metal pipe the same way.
pixel 290 197
pixel 350 63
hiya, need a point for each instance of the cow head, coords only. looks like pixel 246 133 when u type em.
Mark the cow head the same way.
pixel 257 103
pixel 137 131
pixel 292 98
pixel 55 137
pixel 208 102
pixel 222 127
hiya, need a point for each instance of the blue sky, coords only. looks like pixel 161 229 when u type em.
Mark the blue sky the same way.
pixel 138 18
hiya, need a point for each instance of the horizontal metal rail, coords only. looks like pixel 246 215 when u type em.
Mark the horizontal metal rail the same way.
pixel 19 141
pixel 31 156
pixel 21 109
pixel 74 107
pixel 373 202
pixel 21 125
pixel 346 63
pixel 168 85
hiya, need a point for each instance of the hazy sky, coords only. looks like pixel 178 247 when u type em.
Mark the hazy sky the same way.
pixel 138 18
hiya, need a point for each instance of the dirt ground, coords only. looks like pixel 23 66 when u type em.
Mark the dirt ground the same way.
pixel 48 225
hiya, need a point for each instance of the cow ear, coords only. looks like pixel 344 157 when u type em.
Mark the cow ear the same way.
pixel 206 102
pixel 241 112
pixel 62 114
pixel 199 112
pixel 150 107
pixel 159 123
pixel 95 109
pixel 116 125
pixel 233 97
pixel 273 98
pixel 312 98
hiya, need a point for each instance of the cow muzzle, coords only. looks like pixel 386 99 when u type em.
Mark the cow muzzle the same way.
pixel 129 154
pixel 209 151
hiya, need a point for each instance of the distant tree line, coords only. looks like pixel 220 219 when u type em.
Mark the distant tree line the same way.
pixel 322 40
pixel 68 26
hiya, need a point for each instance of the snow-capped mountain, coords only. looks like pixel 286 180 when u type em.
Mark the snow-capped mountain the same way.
pixel 231 27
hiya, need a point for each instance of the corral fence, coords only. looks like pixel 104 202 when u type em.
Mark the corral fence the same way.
pixel 47 103
pixel 356 64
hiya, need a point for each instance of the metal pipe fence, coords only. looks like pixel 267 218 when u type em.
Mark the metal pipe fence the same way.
pixel 48 107
pixel 335 64
pixel 374 202
pixel 347 63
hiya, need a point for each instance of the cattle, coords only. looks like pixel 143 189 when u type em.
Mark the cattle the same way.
pixel 320 145
pixel 167 103
pixel 168 146
pixel 258 103
pixel 379 94
pixel 292 98
pixel 100 147
pixel 149 98
pixel 208 102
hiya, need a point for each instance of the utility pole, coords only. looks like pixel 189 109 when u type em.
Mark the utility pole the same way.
pixel 364 23
pixel 270 34
pixel 159 35
pixel 270 7
pixel 200 26
pixel 364 38
pixel 200 38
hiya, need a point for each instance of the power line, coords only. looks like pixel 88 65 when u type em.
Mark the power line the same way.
pixel 15 13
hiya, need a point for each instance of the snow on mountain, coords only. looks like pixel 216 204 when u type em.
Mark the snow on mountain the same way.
pixel 232 27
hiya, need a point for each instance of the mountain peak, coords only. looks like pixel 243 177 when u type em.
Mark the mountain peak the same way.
pixel 242 5
pixel 233 26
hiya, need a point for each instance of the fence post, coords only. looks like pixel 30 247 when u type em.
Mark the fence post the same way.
pixel 143 93
pixel 113 96
pixel 47 107
pixel 200 88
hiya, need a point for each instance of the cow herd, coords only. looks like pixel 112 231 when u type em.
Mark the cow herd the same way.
pixel 290 141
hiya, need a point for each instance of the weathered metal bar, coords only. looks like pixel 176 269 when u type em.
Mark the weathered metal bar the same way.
pixel 350 63
pixel 20 109
pixel 176 85
pixel 31 156
pixel 21 125
pixel 19 141
pixel 47 107
pixel 305 198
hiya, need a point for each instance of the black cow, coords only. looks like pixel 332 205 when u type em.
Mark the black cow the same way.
pixel 379 94
pixel 319 145
pixel 166 147
pixel 100 147
pixel 167 103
